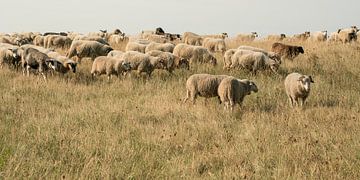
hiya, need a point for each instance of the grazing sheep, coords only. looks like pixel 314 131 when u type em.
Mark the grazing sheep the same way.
pixel 194 54
pixel 34 59
pixel 227 58
pixel 302 37
pixel 271 55
pixel 116 53
pixel 192 39
pixel 109 66
pixel 319 36
pixel 297 87
pixel 133 46
pixel 140 62
pixel 287 51
pixel 214 45
pixel 170 60
pixel 10 55
pixel 57 41
pixel 62 66
pixel 91 38
pixel 216 36
pixel 247 37
pixel 92 49
pixel 38 40
pixel 204 85
pixel 253 61
pixel 233 91
pixel 275 37
pixel 166 47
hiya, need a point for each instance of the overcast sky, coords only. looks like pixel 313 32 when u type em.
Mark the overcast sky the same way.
pixel 177 16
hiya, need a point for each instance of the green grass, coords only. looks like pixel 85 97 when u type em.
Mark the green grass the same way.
pixel 76 127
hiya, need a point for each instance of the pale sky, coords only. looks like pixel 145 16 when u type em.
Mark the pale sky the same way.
pixel 177 16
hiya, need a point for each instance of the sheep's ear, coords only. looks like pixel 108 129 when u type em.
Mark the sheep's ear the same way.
pixel 311 80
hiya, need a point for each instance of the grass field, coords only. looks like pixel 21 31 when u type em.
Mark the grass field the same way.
pixel 77 127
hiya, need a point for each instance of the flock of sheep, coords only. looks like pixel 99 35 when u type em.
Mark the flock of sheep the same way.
pixel 150 50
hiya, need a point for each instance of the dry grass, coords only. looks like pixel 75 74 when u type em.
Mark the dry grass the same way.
pixel 77 127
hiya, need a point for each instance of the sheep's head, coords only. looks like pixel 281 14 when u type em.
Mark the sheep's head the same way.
pixel 250 86
pixel 300 49
pixel 253 87
pixel 71 65
pixel 305 82
pixel 184 64
pixel 126 66
pixel 255 34
pixel 211 59
pixel 282 36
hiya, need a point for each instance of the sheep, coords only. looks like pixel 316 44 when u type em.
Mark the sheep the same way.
pixel 62 66
pixel 194 54
pixel 192 39
pixel 253 61
pixel 233 91
pixel 287 51
pixel 214 45
pixel 297 87
pixel 92 38
pixel 227 58
pixel 271 55
pixel 166 47
pixel 10 55
pixel 216 36
pixel 140 62
pixel 133 46
pixel 115 53
pixel 170 60
pixel 247 37
pixel 276 37
pixel 57 41
pixel 34 59
pixel 347 35
pixel 92 49
pixel 109 66
pixel 302 37
pixel 319 36
pixel 204 85
pixel 38 40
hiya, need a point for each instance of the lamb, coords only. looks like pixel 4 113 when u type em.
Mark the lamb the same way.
pixel 297 87
pixel 194 54
pixel 34 59
pixel 92 49
pixel 133 46
pixel 166 47
pixel 253 61
pixel 116 53
pixel 140 62
pixel 276 37
pixel 233 91
pixel 170 60
pixel 272 55
pixel 109 66
pixel 287 51
pixel 204 85
pixel 247 37
pixel 319 36
pixel 214 45
pixel 227 58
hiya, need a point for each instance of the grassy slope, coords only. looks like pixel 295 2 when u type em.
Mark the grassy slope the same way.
pixel 74 126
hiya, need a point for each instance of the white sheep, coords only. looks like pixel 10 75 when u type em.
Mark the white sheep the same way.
pixel 270 54
pixel 109 66
pixel 253 61
pixel 204 85
pixel 297 87
pixel 134 46
pixel 195 54
pixel 247 37
pixel 214 45
pixel 233 91
pixel 166 47
pixel 141 62
pixel 170 60
pixel 92 49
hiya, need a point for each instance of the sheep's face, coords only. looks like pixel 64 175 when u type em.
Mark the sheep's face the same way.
pixel 300 50
pixel 72 67
pixel 184 64
pixel 253 87
pixel 305 82
pixel 126 65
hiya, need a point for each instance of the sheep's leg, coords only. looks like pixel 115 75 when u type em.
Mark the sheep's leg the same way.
pixel 187 96
pixel 28 70
pixel 302 102
pixel 291 102
pixel 109 77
